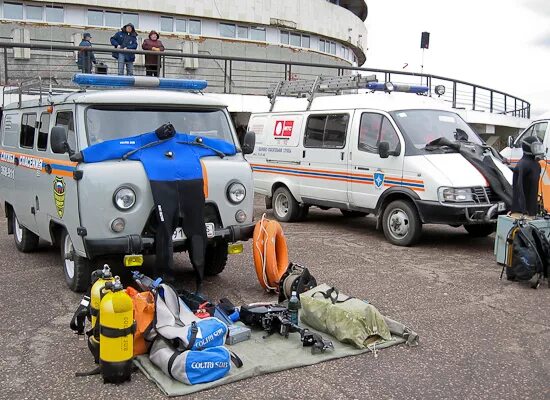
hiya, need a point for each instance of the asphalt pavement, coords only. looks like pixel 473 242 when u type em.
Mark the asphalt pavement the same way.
pixel 480 338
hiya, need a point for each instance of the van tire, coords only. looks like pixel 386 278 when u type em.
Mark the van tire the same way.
pixel 215 257
pixel 480 230
pixel 353 214
pixel 25 240
pixel 285 206
pixel 78 273
pixel 401 223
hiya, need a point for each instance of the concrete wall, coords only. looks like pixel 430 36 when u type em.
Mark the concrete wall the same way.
pixel 313 16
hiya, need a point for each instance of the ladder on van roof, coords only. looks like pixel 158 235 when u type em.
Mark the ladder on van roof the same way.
pixel 309 88
pixel 36 87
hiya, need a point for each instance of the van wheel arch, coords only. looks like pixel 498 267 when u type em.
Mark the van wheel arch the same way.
pixel 391 195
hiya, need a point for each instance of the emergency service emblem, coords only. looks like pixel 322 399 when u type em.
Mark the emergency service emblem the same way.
pixel 59 195
pixel 378 180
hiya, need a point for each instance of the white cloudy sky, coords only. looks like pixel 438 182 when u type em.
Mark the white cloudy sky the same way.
pixel 503 44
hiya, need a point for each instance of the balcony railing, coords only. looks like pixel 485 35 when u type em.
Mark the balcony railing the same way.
pixel 239 75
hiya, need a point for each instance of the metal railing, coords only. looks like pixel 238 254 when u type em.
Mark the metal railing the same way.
pixel 241 75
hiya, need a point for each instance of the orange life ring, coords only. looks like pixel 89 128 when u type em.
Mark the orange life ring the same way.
pixel 270 253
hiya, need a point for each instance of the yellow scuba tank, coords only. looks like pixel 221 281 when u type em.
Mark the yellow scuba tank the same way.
pixel 116 333
pixel 95 298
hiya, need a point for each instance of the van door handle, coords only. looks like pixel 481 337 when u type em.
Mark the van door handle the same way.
pixel 342 156
pixel 363 168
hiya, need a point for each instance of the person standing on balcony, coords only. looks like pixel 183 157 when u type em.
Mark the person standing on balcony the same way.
pixel 152 62
pixel 86 56
pixel 126 38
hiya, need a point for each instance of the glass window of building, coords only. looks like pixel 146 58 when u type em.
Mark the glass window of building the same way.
pixel 257 34
pixel 95 17
pixel 131 18
pixel 13 10
pixel 242 32
pixel 306 41
pixel 54 14
pixel 112 19
pixel 181 25
pixel 295 40
pixel 34 13
pixel 284 37
pixel 167 24
pixel 227 30
pixel 322 45
pixel 195 27
pixel 332 48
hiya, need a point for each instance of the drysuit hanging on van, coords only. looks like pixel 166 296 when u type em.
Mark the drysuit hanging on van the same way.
pixel 172 163
pixel 526 177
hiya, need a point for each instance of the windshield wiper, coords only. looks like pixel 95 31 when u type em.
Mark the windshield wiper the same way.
pixel 199 142
pixel 145 146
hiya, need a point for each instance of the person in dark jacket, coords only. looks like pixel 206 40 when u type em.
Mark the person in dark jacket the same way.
pixel 85 56
pixel 526 178
pixel 152 62
pixel 126 38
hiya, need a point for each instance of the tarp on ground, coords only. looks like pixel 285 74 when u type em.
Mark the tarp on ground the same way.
pixel 263 356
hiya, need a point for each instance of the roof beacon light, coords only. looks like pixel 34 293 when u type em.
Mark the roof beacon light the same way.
pixel 440 90
pixel 138 81
pixel 396 87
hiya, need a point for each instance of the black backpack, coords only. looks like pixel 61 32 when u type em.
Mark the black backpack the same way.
pixel 530 255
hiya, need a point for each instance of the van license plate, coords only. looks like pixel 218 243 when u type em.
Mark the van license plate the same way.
pixel 179 235
pixel 501 206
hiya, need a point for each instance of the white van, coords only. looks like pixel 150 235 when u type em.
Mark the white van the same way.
pixel 366 153
pixel 538 128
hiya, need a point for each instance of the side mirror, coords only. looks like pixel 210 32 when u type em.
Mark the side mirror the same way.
pixel 384 149
pixel 510 141
pixel 249 142
pixel 58 140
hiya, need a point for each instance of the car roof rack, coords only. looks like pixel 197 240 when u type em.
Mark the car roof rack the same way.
pixel 309 88
pixel 36 87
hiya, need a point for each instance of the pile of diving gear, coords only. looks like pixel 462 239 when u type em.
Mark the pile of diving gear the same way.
pixel 185 335
pixel 526 249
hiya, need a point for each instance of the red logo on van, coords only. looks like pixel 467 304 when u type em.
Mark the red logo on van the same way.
pixel 283 129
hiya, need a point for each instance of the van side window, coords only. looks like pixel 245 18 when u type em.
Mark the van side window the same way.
pixel 28 128
pixel 43 130
pixel 326 131
pixel 65 118
pixel 376 128
pixel 538 130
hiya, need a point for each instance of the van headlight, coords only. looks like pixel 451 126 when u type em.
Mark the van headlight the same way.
pixel 455 195
pixel 124 198
pixel 236 192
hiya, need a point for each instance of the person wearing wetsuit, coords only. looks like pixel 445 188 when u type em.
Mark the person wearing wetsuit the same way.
pixel 526 179
pixel 172 163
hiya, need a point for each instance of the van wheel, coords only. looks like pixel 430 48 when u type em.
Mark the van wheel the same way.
pixel 285 206
pixel 25 240
pixel 76 269
pixel 480 230
pixel 401 223
pixel 215 258
pixel 353 214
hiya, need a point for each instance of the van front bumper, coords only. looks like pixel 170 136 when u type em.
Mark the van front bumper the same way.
pixel 136 244
pixel 433 212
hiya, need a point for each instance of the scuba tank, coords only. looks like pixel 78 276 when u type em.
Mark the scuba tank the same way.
pixel 103 276
pixel 116 333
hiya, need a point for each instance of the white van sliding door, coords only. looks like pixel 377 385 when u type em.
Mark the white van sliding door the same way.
pixel 325 157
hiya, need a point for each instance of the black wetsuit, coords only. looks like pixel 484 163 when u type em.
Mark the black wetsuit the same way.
pixel 526 186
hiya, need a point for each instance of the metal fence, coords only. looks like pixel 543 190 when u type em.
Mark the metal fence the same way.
pixel 239 75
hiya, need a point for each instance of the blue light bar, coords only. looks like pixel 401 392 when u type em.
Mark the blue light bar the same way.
pixel 396 87
pixel 138 81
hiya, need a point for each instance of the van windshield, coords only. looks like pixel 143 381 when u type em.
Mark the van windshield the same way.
pixel 423 126
pixel 107 123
